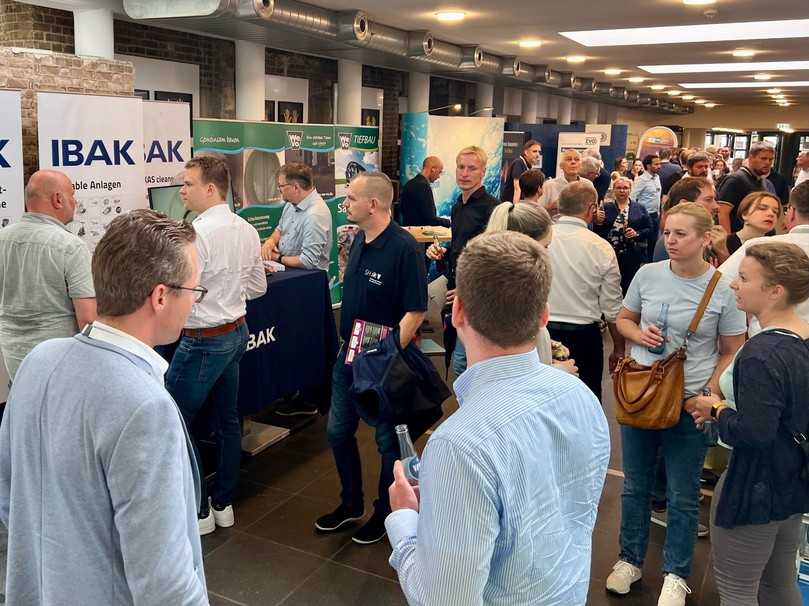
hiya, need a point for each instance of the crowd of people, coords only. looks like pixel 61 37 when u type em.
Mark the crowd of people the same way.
pixel 532 283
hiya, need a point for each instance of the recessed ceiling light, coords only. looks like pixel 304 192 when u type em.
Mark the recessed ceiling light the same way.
pixel 762 77
pixel 737 66
pixel 657 86
pixel 613 71
pixel 530 43
pixel 683 34
pixel 696 85
pixel 785 104
pixel 636 79
pixel 700 101
pixel 698 2
pixel 576 58
pixel 773 91
pixel 674 93
pixel 687 97
pixel 450 16
pixel 743 52
pixel 710 105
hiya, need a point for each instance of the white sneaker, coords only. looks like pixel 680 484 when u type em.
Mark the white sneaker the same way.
pixel 673 592
pixel 622 576
pixel 224 518
pixel 207 524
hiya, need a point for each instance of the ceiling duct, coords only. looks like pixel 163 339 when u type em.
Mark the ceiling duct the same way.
pixel 471 57
pixel 514 68
pixel 543 74
pixel 149 9
pixel 565 79
pixel 602 88
pixel 419 44
pixel 492 64
pixel 353 26
pixel 584 85
pixel 619 92
pixel 644 100
pixel 633 96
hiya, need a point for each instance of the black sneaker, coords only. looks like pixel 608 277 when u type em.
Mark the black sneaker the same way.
pixel 372 532
pixel 337 518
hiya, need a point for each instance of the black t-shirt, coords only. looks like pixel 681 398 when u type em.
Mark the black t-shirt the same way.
pixel 417 204
pixel 468 221
pixel 515 170
pixel 733 190
pixel 384 279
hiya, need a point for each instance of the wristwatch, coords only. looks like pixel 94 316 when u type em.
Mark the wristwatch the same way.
pixel 281 259
pixel 717 407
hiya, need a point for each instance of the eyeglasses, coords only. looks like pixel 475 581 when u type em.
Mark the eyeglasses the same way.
pixel 283 185
pixel 200 291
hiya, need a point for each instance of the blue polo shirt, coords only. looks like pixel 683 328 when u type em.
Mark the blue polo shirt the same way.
pixel 384 279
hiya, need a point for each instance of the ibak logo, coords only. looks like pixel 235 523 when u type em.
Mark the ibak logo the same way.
pixel 70 152
pixel 295 137
pixel 265 336
pixel 345 140
pixel 168 151
pixel 3 162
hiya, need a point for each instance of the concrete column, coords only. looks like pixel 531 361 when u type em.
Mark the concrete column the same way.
pixel 553 107
pixel 592 113
pixel 349 92
pixel 565 110
pixel 543 99
pixel 512 101
pixel 250 87
pixel 93 33
pixel 418 92
pixel 484 97
pixel 529 107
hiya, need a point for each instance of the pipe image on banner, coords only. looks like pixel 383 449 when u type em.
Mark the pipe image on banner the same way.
pixel 166 140
pixel 12 199
pixel 98 143
pixel 444 136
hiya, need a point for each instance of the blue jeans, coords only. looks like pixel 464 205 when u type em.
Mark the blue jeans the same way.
pixel 344 417
pixel 207 369
pixel 458 361
pixel 683 448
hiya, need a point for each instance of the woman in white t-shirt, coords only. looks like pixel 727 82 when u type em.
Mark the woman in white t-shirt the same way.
pixel 669 292
pixel 535 222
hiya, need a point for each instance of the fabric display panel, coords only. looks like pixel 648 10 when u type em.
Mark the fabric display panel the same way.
pixel 166 140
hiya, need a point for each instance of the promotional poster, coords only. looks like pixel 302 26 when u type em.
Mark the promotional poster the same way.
pixel 357 151
pixel 656 139
pixel 166 141
pixel 12 200
pixel 98 142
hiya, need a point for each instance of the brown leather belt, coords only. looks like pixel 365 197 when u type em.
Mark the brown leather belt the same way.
pixel 215 331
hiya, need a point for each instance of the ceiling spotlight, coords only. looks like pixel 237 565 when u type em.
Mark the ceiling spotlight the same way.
pixel 450 16
pixel 773 91
pixel 710 105
pixel 700 101
pixel 762 77
pixel 613 71
pixel 743 52
pixel 657 86
pixel 698 2
pixel 674 93
pixel 530 43
pixel 636 79
pixel 687 97
pixel 576 58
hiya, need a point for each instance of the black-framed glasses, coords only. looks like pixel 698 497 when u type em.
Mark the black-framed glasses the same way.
pixel 200 291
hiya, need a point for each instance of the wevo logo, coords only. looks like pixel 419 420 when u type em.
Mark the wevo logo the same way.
pixel 3 162
pixel 345 140
pixel 71 152
pixel 295 137
pixel 165 151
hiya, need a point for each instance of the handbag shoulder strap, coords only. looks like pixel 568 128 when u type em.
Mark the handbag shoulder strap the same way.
pixel 703 304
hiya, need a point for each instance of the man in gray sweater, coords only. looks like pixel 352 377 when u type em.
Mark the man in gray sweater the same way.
pixel 98 483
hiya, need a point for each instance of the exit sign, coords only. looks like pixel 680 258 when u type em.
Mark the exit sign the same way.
pixel 783 126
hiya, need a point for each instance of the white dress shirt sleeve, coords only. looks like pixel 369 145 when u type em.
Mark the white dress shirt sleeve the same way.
pixel 610 297
pixel 254 277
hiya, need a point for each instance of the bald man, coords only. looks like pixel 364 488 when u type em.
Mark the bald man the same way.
pixel 416 201
pixel 46 286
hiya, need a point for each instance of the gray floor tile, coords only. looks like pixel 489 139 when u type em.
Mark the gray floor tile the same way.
pixel 340 586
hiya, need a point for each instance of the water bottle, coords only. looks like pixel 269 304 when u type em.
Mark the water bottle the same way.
pixel 663 324
pixel 709 428
pixel 407 453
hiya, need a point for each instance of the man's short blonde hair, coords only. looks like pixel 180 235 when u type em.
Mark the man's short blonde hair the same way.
pixel 503 281
pixel 474 150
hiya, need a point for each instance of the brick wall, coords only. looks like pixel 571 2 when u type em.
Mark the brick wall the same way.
pixel 322 76
pixel 394 85
pixel 216 59
pixel 31 26
pixel 33 71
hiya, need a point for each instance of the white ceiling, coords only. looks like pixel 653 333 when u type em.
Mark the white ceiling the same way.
pixel 498 27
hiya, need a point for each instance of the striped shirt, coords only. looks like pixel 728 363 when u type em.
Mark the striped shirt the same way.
pixel 510 486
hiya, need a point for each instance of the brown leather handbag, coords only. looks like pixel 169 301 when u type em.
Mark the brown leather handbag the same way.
pixel 651 397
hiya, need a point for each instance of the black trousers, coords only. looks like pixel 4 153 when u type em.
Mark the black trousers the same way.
pixel 586 347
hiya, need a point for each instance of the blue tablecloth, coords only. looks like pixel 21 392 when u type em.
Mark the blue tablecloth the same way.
pixel 293 341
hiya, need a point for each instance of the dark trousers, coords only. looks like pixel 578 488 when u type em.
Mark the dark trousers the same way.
pixel 655 234
pixel 586 347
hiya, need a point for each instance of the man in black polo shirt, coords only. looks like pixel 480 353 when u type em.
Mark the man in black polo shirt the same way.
pixel 510 188
pixel 470 215
pixel 747 179
pixel 384 283
pixel 416 201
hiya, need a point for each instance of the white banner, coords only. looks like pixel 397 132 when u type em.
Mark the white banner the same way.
pixel 97 142
pixel 603 130
pixel 12 200
pixel 577 141
pixel 166 140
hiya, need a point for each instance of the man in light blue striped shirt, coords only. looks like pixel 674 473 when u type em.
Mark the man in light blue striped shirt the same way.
pixel 509 485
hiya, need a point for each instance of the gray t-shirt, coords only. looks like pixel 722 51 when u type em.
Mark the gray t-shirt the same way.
pixel 655 284
pixel 42 268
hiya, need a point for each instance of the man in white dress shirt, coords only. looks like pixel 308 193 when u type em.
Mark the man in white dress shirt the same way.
pixel 802 162
pixel 586 285
pixel 205 364
pixel 796 216
pixel 571 167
